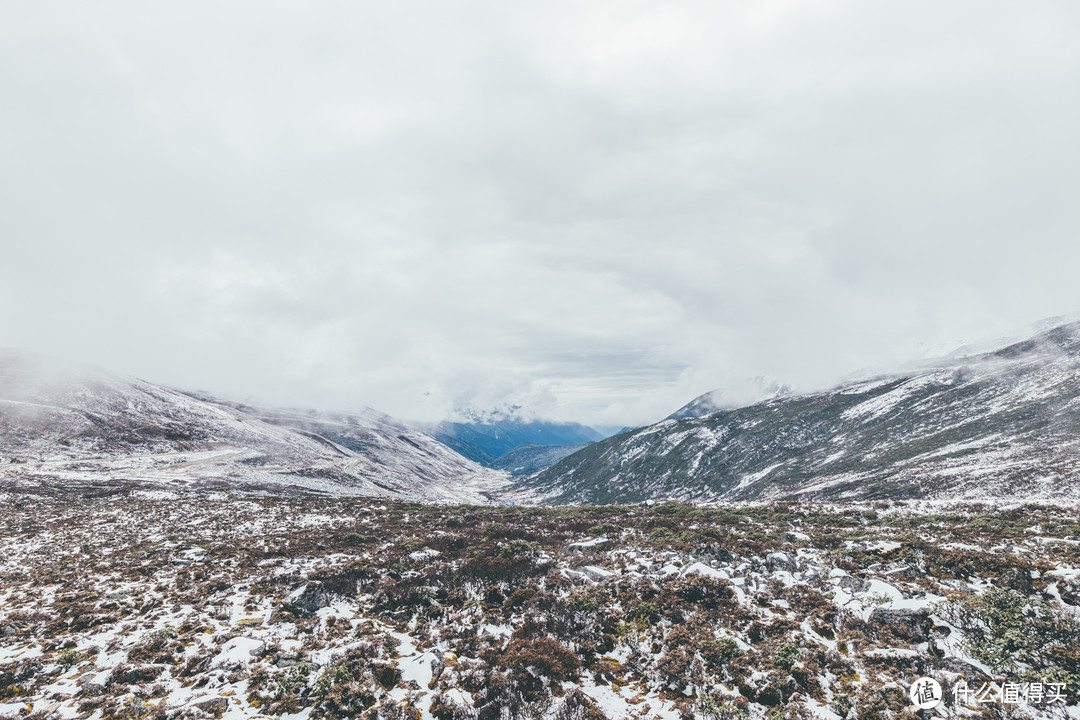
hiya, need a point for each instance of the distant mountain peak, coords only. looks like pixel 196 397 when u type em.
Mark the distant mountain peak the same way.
pixel 751 391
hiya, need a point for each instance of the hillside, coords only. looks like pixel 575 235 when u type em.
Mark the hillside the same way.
pixel 189 607
pixel 1002 424
pixel 68 424
pixel 484 439
pixel 528 458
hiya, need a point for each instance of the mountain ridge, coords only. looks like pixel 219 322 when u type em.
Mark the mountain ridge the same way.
pixel 997 423
pixel 64 423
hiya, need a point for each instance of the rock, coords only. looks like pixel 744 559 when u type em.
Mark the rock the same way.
pixel 438 663
pixel 718 554
pixel 214 706
pixel 912 625
pixel 781 561
pixel 906 571
pixel 307 599
pixel 966 670
pixel 287 659
pixel 587 545
pixel 792 536
pixel 576 577
pixel 259 647
pixel 596 574
pixel 1016 579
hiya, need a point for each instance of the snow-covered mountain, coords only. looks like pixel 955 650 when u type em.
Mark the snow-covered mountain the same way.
pixel 1002 424
pixel 69 424
pixel 752 391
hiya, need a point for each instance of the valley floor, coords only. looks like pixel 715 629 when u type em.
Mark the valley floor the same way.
pixel 126 604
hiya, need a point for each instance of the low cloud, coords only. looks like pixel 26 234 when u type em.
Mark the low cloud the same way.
pixel 597 211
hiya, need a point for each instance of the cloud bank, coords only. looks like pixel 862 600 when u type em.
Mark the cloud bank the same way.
pixel 596 210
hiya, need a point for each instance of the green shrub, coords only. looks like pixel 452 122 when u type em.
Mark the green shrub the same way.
pixel 647 612
pixel 787 655
pixel 70 657
pixel 1015 634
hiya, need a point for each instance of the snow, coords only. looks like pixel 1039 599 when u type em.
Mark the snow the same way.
pixel 705 570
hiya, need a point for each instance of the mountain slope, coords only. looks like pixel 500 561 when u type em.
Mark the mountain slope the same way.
pixel 65 423
pixel 484 440
pixel 755 390
pixel 528 458
pixel 1005 423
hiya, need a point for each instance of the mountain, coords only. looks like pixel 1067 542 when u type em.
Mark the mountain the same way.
pixel 754 390
pixel 1003 424
pixel 484 439
pixel 66 424
pixel 528 458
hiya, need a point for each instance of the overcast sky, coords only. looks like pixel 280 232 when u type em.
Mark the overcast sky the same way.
pixel 597 210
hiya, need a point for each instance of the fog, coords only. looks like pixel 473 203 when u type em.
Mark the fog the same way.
pixel 592 210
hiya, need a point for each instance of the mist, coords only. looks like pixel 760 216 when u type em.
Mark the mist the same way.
pixel 595 212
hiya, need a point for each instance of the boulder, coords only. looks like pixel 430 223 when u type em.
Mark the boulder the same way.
pixel 438 663
pixel 307 599
pixel 964 669
pixel 1016 579
pixel 781 561
pixel 596 574
pixel 214 706
pixel 588 545
pixel 909 624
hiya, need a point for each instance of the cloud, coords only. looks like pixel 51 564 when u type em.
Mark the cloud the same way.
pixel 597 210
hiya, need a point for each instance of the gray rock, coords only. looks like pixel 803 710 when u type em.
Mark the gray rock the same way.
pixel 307 600
pixel 966 670
pixel 438 663
pixel 214 706
pixel 913 625
pixel 588 545
pixel 596 574
pixel 1016 579
pixel 287 659
pixel 781 561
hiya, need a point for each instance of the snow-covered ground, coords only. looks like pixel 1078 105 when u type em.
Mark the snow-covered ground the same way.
pixel 193 606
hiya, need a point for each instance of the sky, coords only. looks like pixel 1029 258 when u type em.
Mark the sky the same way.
pixel 594 211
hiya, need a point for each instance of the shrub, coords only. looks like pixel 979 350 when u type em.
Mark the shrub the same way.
pixel 786 655
pixel 544 656
pixel 579 706
pixel 70 657
pixel 718 652
pixel 1005 629
pixel 646 612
